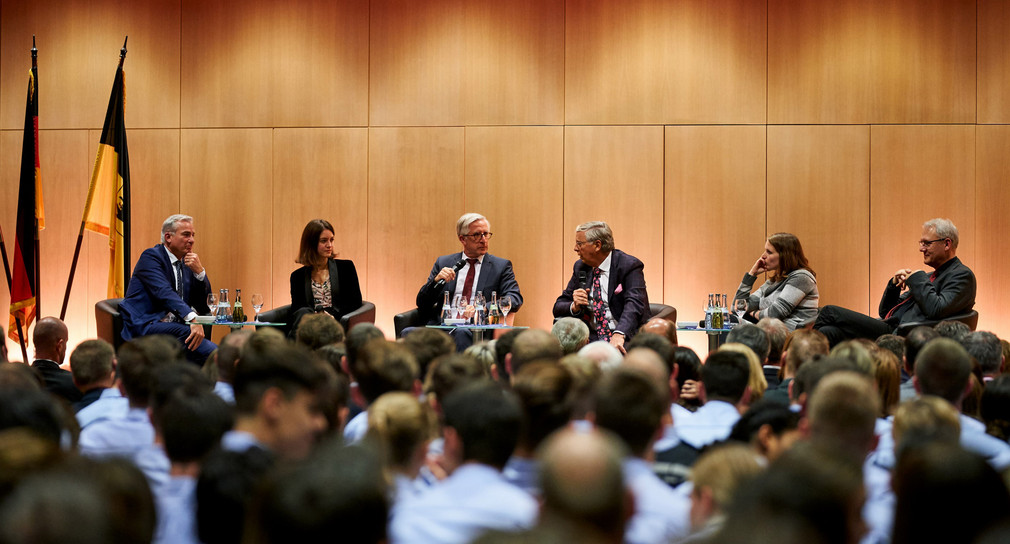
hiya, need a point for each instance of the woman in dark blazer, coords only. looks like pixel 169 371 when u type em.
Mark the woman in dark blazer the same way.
pixel 323 284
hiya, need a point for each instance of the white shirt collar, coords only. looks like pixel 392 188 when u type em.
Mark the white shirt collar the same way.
pixel 171 257
pixel 605 265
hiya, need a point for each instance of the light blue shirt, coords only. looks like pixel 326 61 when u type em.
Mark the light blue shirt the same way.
pixel 111 404
pixel 523 473
pixel 225 391
pixel 152 461
pixel 176 507
pixel 118 437
pixel 474 499
pixel 661 514
pixel 670 439
pixel 239 441
pixel 973 438
pixel 711 423
pixel 356 428
pixel 878 510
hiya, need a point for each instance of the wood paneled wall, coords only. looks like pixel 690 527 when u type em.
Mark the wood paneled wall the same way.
pixel 695 127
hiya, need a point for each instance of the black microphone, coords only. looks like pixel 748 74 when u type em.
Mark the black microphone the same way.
pixel 582 279
pixel 455 268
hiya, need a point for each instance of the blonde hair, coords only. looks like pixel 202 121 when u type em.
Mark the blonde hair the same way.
pixel 398 423
pixel 722 469
pixel 757 382
pixel 927 416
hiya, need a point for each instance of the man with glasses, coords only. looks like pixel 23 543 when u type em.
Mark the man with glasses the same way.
pixel 911 296
pixel 479 270
pixel 607 289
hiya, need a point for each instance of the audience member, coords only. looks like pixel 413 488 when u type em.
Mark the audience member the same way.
pixel 484 354
pixel 887 375
pixel 225 359
pixel 916 339
pixel 985 347
pixel 532 345
pixel 545 395
pixel 400 427
pixel 725 393
pixel 502 348
pixel 229 479
pixel 896 345
pixel 858 352
pixel 380 368
pixel 572 333
pixel 427 345
pixel 50 339
pixel 316 330
pixel 715 478
pixel 802 346
pixel 688 371
pixel 606 356
pixel 756 379
pixel 955 330
pixel 995 407
pixel 663 327
pixel 93 367
pixel 777 332
pixel 770 428
pixel 753 337
pixel 926 419
pixel 585 375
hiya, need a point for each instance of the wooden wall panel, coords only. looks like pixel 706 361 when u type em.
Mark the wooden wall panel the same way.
pixel 992 199
pixel 918 173
pixel 993 61
pixel 862 61
pixel 640 61
pixel 819 190
pixel 154 173
pixel 504 167
pixel 615 174
pixel 416 52
pixel 415 196
pixel 262 64
pixel 226 185
pixel 319 173
pixel 515 62
pixel 714 215
pixel 79 43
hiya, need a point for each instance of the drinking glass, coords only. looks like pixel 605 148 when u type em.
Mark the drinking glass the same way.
pixel 505 305
pixel 740 308
pixel 257 303
pixel 480 304
pixel 459 304
pixel 212 305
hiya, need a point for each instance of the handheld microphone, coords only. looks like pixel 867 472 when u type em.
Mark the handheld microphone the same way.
pixel 455 268
pixel 582 279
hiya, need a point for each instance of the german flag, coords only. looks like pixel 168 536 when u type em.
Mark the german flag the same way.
pixel 31 218
pixel 107 211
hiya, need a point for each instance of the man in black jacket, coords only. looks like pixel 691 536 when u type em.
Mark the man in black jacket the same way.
pixel 50 339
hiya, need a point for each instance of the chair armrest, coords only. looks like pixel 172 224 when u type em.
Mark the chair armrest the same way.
pixel 406 319
pixel 970 319
pixel 364 314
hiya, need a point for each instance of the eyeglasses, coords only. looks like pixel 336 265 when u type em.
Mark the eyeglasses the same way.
pixel 582 243
pixel 478 235
pixel 927 243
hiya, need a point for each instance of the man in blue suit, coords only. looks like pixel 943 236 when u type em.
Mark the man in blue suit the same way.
pixel 168 289
pixel 479 271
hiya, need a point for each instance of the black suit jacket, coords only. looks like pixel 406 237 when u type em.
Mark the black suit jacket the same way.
pixel 345 292
pixel 58 381
pixel 630 306
pixel 951 293
pixel 151 293
pixel 495 275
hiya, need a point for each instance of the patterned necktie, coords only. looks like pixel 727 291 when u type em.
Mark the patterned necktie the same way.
pixel 470 275
pixel 178 278
pixel 599 310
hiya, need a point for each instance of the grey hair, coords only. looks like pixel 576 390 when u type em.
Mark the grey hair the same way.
pixel 606 356
pixel 465 220
pixel 573 333
pixel 172 223
pixel 598 230
pixel 944 229
pixel 985 347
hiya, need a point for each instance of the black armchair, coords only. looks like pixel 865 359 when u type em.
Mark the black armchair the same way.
pixel 109 322
pixel 970 319
pixel 282 314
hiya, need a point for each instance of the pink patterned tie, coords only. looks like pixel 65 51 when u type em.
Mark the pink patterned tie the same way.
pixel 599 310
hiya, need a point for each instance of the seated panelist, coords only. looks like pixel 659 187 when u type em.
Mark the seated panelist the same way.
pixel 791 292
pixel 323 284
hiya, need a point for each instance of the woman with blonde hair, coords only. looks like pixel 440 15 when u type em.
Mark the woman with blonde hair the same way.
pixel 400 427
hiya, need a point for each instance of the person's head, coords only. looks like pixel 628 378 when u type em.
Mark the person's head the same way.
pixel 784 254
pixel 938 243
pixel 474 232
pixel 769 427
pixel 318 330
pixel 585 375
pixel 753 337
pixel 811 374
pixel 803 346
pixel 893 343
pixel 533 345
pixel 916 340
pixel 484 354
pixel 663 327
pixel 359 336
pixel 777 332
pixel 925 419
pixel 450 372
pixel 427 345
pixel 502 348
pixel 955 330
pixel 943 368
pixel 582 482
pixel 660 345
pixel 32 410
pixel 887 375
pixel 603 353
pixel 756 382
pixel 20 376
pixel 725 376
pixel 545 393
pixel 985 347
pixel 688 365
pixel 191 422
pixel 631 405
pixel 401 426
pixel 842 412
pixel 317 243
pixel 178 234
pixel 857 351
pixel 50 338
pixel 228 353
pixel 225 489
pixel 572 333
pixel 277 394
pixel 383 367
pixel 715 477
pixel 481 424
pixel 593 242
pixel 92 364
pixel 649 362
pixel 995 407
pixel 137 361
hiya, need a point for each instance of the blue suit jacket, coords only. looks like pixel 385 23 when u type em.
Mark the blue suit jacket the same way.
pixel 630 307
pixel 495 275
pixel 151 293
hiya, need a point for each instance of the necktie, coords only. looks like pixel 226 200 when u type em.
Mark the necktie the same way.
pixel 470 275
pixel 178 278
pixel 599 310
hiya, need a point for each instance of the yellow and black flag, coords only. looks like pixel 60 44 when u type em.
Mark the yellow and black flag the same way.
pixel 107 211
pixel 31 217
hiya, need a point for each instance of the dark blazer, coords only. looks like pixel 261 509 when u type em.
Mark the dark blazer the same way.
pixel 58 381
pixel 495 275
pixel 951 293
pixel 345 292
pixel 630 307
pixel 151 293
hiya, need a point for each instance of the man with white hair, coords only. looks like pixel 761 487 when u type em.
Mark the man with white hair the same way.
pixel 481 272
pixel 572 333
pixel 606 356
pixel 168 289
pixel 911 295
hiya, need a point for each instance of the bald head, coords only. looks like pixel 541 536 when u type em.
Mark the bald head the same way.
pixel 50 339
pixel 663 327
pixel 649 362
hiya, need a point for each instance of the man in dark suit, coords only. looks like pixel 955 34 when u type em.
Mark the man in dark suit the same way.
pixel 911 296
pixel 168 289
pixel 607 288
pixel 481 272
pixel 50 338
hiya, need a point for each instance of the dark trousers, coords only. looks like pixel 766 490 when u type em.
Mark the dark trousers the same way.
pixel 840 324
pixel 181 331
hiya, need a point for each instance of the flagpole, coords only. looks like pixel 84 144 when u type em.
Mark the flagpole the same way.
pixel 38 261
pixel 80 232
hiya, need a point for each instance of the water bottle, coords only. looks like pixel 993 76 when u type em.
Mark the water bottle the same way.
pixel 709 312
pixel 223 308
pixel 446 309
pixel 480 315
